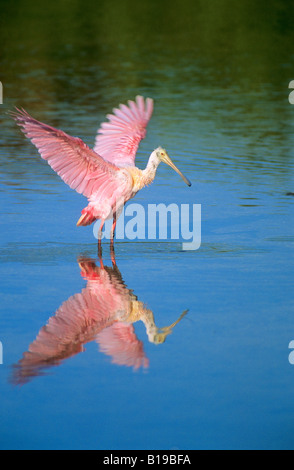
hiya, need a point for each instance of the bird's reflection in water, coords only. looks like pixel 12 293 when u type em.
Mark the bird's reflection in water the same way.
pixel 104 311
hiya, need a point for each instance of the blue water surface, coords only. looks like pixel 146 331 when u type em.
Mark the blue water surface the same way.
pixel 223 377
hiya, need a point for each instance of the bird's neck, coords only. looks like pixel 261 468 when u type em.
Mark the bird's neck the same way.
pixel 150 170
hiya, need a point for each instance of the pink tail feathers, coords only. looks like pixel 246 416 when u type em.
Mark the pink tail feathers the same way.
pixel 87 217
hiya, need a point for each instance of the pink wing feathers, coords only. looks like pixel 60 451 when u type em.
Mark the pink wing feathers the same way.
pixel 79 166
pixel 117 141
pixel 81 319
pixel 119 341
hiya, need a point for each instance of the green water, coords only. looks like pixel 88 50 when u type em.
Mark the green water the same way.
pixel 218 72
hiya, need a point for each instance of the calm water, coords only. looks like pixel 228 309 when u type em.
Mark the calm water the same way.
pixel 222 379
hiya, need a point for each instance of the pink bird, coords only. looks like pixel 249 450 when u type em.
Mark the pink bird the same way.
pixel 106 175
pixel 104 311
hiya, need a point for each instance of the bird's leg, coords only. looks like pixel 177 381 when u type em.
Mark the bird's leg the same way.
pixel 113 227
pixel 99 249
pixel 112 254
pixel 112 237
pixel 99 240
pixel 100 258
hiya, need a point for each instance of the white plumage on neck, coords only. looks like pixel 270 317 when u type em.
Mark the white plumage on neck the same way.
pixel 153 162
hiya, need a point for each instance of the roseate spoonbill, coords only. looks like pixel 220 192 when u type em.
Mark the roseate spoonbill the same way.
pixel 104 311
pixel 106 175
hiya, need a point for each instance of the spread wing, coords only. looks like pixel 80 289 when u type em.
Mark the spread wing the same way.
pixel 78 165
pixel 117 141
pixel 119 341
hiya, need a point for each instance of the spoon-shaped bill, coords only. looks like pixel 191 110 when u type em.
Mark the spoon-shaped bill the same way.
pixel 169 162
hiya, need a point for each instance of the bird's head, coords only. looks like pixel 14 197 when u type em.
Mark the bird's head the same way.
pixel 158 335
pixel 163 157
